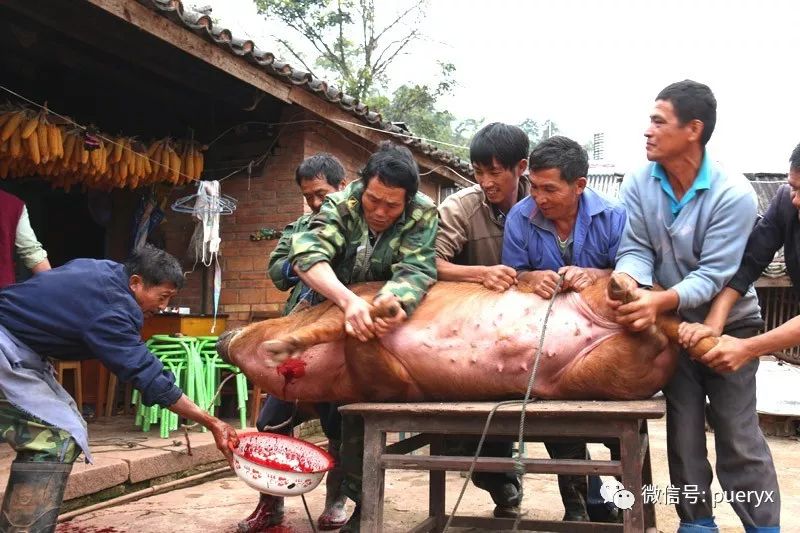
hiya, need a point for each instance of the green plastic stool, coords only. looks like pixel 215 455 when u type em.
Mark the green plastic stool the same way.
pixel 214 365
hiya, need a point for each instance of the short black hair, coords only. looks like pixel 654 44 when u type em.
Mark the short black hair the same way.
pixel 395 166
pixel 321 164
pixel 692 100
pixel 508 145
pixel 794 159
pixel 562 153
pixel 155 266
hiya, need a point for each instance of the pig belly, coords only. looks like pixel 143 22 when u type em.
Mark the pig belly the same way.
pixel 485 349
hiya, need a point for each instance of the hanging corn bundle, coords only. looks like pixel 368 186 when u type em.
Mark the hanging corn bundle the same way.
pixel 31 144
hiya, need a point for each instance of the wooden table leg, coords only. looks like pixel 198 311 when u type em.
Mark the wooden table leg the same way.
pixel 436 490
pixel 111 396
pixel 372 477
pixel 102 391
pixel 647 479
pixel 632 475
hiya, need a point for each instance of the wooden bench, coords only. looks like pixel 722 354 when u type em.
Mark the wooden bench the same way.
pixel 624 421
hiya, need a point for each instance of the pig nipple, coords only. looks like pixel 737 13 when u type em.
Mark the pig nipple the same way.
pixel 523 367
pixel 474 359
pixel 500 368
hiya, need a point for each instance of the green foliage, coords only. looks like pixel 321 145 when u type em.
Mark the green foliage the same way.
pixel 538 131
pixel 416 106
pixel 351 50
pixel 344 35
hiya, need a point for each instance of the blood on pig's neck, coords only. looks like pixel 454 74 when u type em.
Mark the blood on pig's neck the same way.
pixel 291 369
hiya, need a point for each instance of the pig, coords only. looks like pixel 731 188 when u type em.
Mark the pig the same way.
pixel 464 342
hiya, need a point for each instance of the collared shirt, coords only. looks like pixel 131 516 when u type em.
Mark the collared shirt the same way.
pixel 280 269
pixel 471 229
pixel 702 182
pixel 564 246
pixel 598 227
pixel 695 253
pixel 403 256
pixel 82 310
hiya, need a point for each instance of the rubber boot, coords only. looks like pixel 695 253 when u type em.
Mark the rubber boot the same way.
pixel 573 489
pixel 268 512
pixel 507 499
pixel 334 516
pixel 33 497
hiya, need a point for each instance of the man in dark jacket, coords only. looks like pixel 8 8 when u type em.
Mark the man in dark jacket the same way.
pixel 780 226
pixel 86 308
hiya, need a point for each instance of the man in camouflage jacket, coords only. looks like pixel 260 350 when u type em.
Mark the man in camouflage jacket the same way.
pixel 378 229
pixel 317 176
pixel 342 247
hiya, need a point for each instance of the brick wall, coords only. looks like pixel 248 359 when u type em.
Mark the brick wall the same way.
pixel 271 200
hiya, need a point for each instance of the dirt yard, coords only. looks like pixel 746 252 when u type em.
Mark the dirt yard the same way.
pixel 216 506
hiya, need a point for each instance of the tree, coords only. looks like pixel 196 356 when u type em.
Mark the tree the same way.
pixel 415 105
pixel 360 65
pixel 538 131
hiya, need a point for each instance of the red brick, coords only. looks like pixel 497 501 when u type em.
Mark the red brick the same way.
pixel 250 283
pixel 253 275
pixel 252 296
pixel 238 263
pixel 275 295
pixel 271 308
pixel 233 308
pixel 229 296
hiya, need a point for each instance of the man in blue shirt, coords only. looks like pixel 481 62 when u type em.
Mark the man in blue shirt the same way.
pixel 688 223
pixel 563 228
pixel 86 308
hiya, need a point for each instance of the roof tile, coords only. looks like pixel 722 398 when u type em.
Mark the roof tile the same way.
pixel 203 26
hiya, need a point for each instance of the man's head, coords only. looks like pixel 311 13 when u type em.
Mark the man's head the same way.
pixel 684 116
pixel 498 153
pixel 794 176
pixel 318 176
pixel 391 179
pixel 154 277
pixel 558 168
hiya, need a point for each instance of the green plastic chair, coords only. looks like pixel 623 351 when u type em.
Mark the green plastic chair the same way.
pixel 181 357
pixel 214 365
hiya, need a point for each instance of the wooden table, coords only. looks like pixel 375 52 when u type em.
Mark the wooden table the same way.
pixel 624 421
pixel 191 325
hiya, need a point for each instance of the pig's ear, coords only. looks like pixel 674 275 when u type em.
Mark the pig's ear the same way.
pixel 274 352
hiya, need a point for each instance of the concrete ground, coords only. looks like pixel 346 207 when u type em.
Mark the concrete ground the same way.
pixel 216 506
pixel 125 460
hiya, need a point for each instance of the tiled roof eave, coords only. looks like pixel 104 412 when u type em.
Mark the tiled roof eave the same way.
pixel 203 26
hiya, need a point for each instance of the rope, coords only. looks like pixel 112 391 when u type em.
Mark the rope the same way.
pixel 187 427
pixel 519 467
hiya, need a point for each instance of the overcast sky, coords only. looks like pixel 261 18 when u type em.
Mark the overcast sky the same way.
pixel 596 66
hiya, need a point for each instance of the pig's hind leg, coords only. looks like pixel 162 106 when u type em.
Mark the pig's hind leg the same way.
pixel 623 367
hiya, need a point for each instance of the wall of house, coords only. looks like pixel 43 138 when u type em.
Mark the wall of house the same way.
pixel 271 200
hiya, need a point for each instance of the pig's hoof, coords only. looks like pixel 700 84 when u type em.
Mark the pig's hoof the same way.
pixel 276 351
